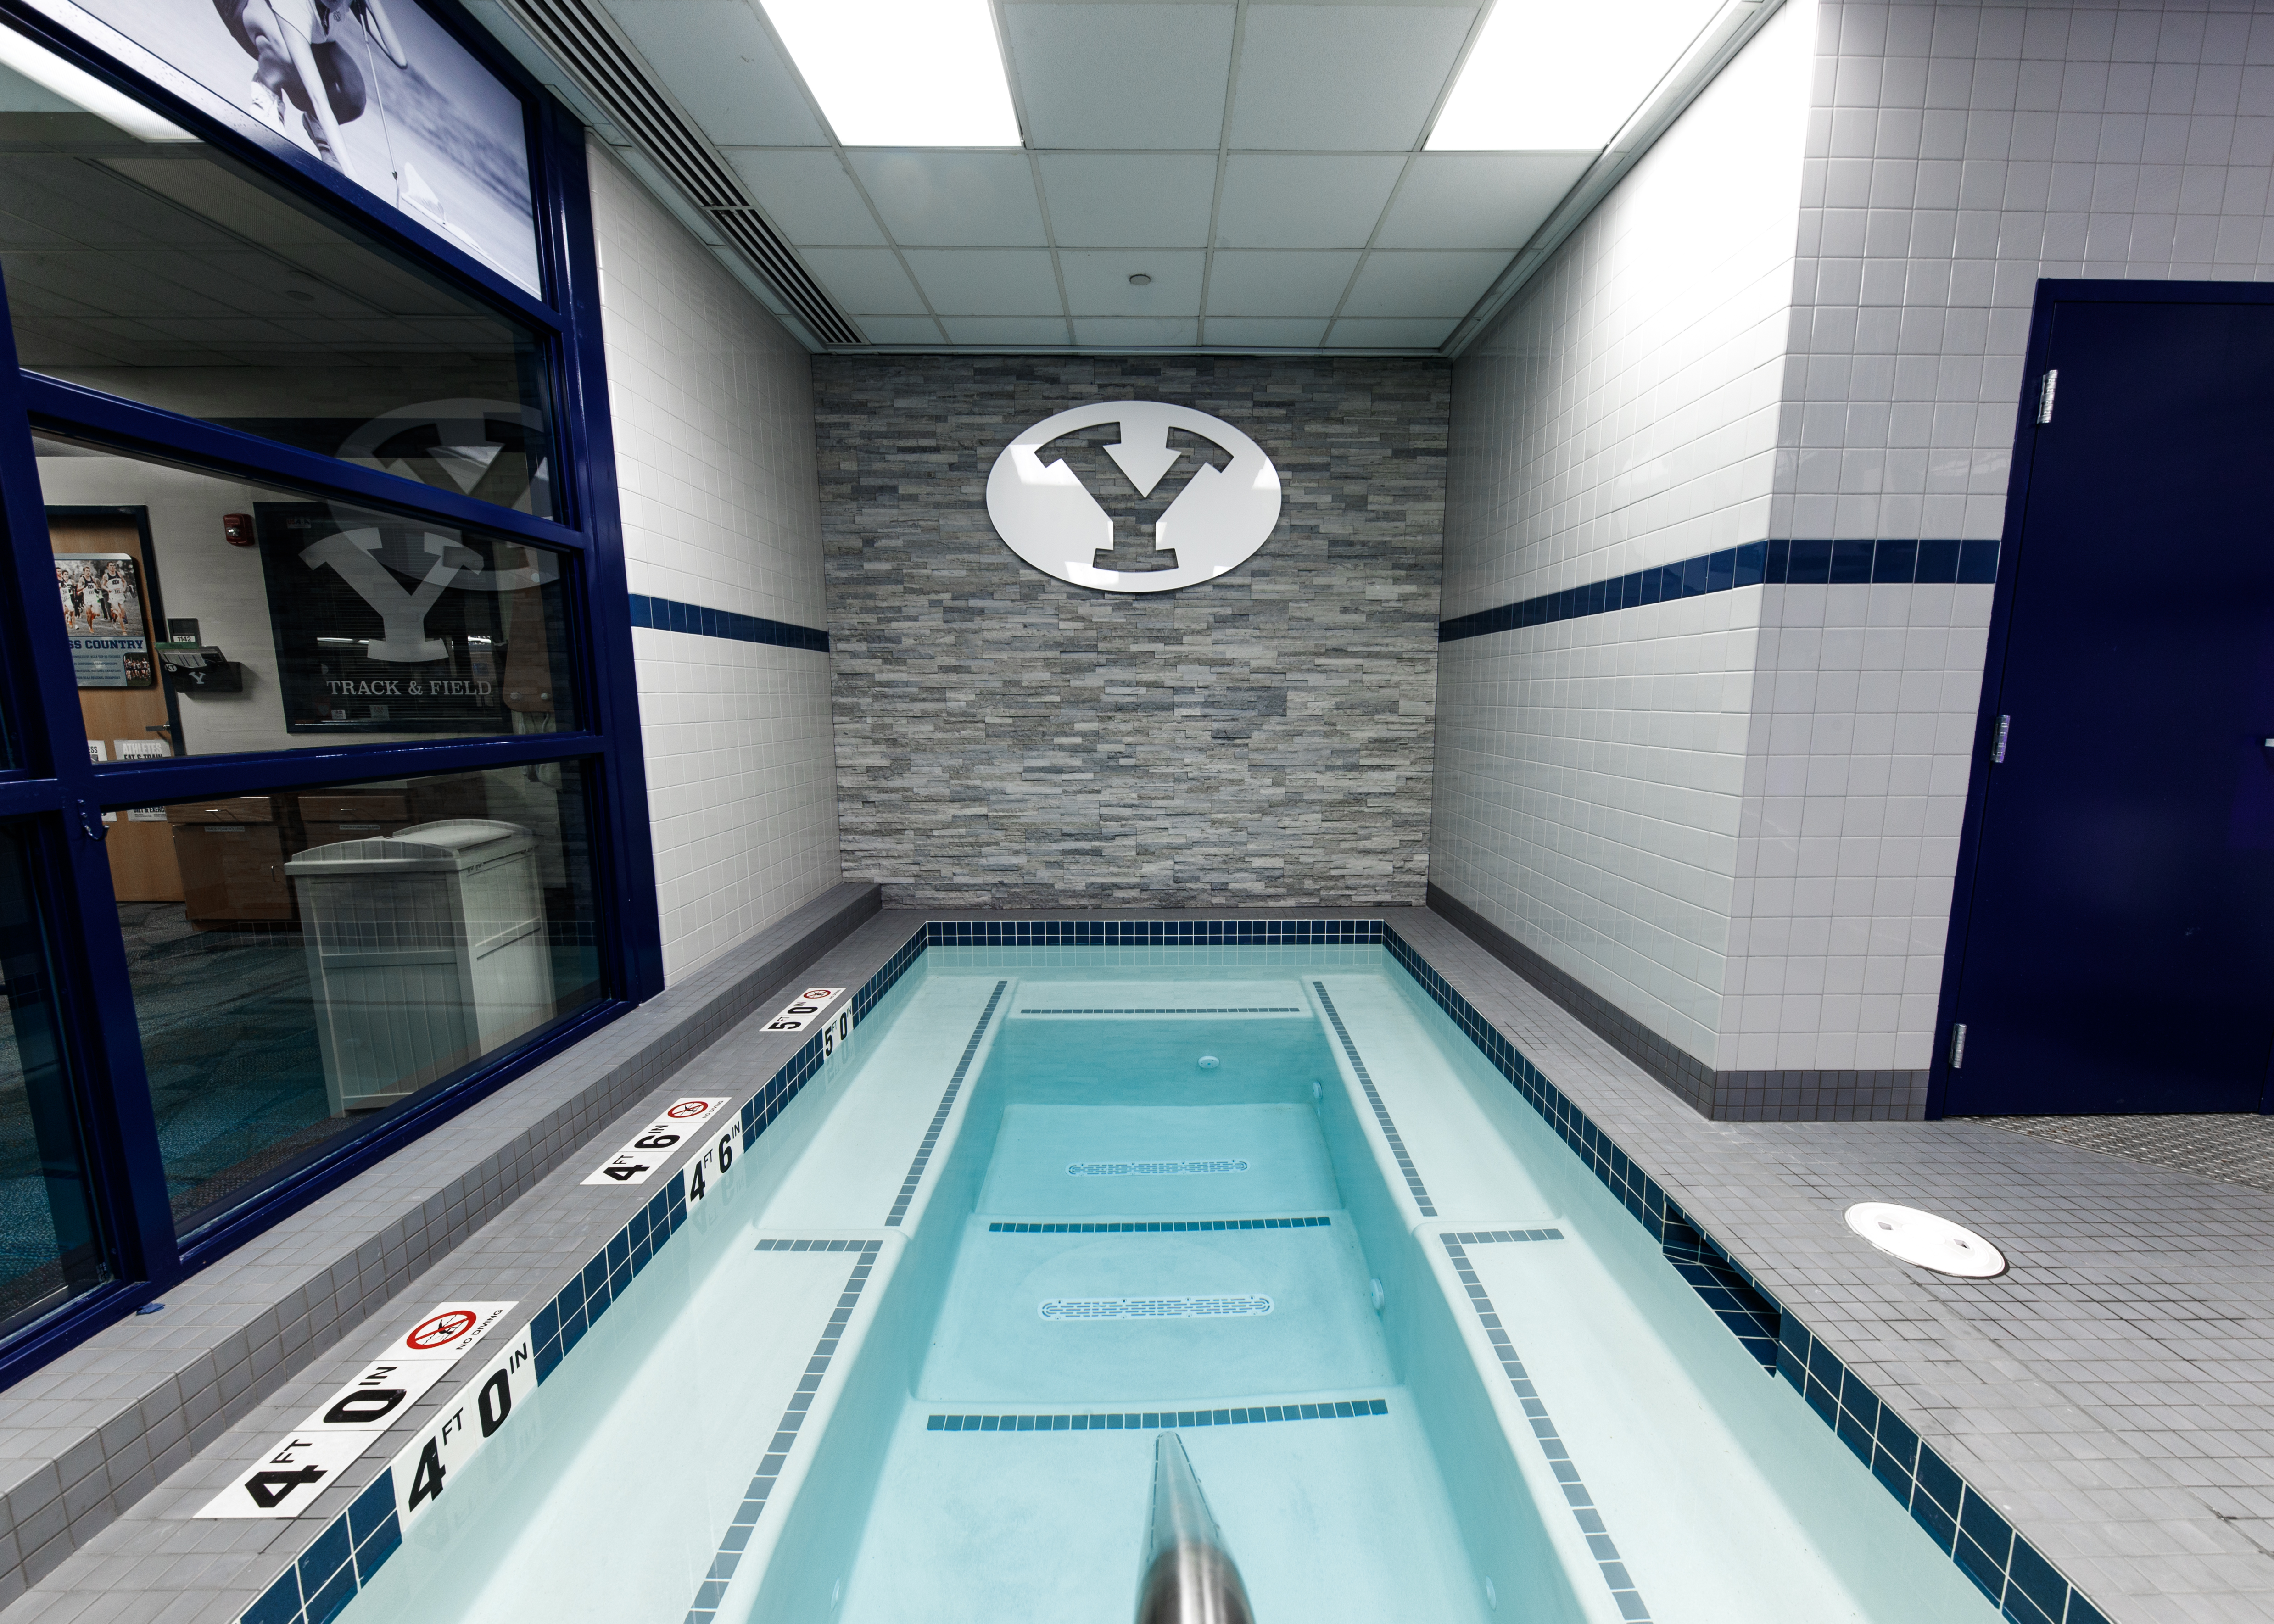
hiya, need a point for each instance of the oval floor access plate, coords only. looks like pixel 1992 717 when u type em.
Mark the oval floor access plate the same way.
pixel 1925 1239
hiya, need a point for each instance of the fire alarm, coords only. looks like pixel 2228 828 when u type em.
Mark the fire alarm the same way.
pixel 236 529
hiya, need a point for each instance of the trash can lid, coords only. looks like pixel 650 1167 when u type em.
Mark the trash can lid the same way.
pixel 453 843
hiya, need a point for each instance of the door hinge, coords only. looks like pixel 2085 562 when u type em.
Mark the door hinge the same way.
pixel 2045 387
pixel 1998 750
pixel 1957 1044
pixel 91 821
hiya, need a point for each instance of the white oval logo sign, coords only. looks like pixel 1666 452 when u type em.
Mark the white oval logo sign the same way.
pixel 1217 523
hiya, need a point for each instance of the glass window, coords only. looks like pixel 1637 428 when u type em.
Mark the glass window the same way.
pixel 209 616
pixel 168 273
pixel 334 955
pixel 50 1249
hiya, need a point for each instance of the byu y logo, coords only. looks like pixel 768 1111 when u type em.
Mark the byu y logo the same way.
pixel 1216 523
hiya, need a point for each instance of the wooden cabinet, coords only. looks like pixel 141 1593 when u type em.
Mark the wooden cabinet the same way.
pixel 329 818
pixel 231 857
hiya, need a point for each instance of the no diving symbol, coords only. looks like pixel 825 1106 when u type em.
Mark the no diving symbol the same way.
pixel 689 1108
pixel 443 1329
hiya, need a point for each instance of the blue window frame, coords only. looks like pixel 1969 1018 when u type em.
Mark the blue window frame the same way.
pixel 55 799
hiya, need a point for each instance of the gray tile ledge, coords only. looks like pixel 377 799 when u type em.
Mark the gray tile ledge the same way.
pixel 85 1438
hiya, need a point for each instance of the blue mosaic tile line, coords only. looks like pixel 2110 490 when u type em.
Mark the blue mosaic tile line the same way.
pixel 665 614
pixel 1485 1237
pixel 1163 1420
pixel 1773 563
pixel 2030 1589
pixel 736 1539
pixel 939 1117
pixel 1419 1190
pixel 1154 932
pixel 1599 1544
pixel 1172 1227
pixel 1229 1009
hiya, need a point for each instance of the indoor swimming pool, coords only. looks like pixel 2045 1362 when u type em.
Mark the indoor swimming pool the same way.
pixel 912 1360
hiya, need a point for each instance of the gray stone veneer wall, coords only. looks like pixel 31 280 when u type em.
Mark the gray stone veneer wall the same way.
pixel 1005 740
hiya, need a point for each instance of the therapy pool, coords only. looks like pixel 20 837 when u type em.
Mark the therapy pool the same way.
pixel 911 1361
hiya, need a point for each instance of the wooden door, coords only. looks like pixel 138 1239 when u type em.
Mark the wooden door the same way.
pixel 142 863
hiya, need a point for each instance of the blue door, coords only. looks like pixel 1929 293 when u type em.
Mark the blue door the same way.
pixel 2119 937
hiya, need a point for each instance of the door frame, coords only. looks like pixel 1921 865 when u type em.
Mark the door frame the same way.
pixel 2051 293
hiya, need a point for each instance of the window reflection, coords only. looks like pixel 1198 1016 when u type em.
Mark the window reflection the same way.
pixel 336 954
pixel 168 274
pixel 49 1246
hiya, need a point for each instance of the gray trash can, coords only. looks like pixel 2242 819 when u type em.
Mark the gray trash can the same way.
pixel 425 949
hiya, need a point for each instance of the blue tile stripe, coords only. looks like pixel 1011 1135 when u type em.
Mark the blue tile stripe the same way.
pixel 1599 1544
pixel 1228 1009
pixel 1162 1420
pixel 1181 1226
pixel 736 1539
pixel 1415 1187
pixel 1487 1237
pixel 665 614
pixel 1757 563
pixel 2007 1568
pixel 915 1177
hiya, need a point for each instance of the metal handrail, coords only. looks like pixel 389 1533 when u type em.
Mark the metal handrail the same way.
pixel 1187 1578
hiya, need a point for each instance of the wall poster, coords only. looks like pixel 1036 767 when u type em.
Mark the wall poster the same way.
pixel 376 88
pixel 385 626
pixel 102 614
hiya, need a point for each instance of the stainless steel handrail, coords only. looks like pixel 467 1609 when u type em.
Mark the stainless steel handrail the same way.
pixel 1188 1577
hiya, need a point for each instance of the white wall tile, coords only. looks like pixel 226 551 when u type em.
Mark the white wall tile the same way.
pixel 711 405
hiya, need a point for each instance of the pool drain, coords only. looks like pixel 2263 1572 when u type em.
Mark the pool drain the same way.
pixel 1154 1307
pixel 1923 1239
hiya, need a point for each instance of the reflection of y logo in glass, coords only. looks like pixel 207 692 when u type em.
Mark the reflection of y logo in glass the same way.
pixel 403 615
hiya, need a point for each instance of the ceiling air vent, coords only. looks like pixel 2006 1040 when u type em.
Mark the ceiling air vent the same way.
pixel 578 36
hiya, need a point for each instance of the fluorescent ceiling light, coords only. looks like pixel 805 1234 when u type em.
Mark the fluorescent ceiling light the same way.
pixel 82 89
pixel 1563 75
pixel 901 72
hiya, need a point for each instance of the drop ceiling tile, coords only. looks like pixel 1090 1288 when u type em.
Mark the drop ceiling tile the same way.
pixel 1377 333
pixel 1121 199
pixel 988 281
pixel 718 62
pixel 1140 76
pixel 1097 281
pixel 1113 331
pixel 1407 284
pixel 808 195
pixel 1264 332
pixel 1284 283
pixel 1344 78
pixel 997 330
pixel 953 198
pixel 865 282
pixel 899 330
pixel 1482 201
pixel 1302 201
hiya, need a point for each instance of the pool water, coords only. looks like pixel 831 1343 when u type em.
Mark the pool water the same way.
pixel 910 1362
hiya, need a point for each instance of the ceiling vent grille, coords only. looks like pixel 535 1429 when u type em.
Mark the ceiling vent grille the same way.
pixel 579 38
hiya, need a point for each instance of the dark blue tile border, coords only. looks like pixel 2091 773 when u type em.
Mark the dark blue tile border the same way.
pixel 1171 1226
pixel 1757 563
pixel 1963 1522
pixel 665 614
pixel 1159 1420
pixel 922 1158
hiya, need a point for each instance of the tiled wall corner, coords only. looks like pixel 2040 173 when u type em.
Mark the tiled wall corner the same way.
pixel 1622 416
pixel 711 405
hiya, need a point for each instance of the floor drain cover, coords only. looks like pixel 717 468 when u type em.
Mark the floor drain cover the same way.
pixel 1923 1239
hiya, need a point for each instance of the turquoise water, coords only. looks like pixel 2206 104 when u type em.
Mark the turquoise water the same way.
pixel 1416 1486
